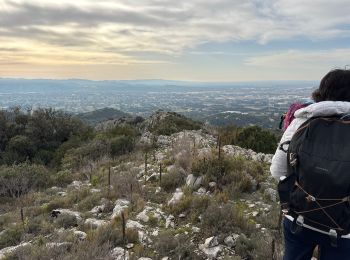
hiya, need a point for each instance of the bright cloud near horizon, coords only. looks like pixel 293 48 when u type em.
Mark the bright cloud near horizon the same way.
pixel 204 40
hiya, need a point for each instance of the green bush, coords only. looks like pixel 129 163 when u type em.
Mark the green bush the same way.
pixel 131 235
pixel 19 179
pixel 252 137
pixel 37 136
pixel 234 175
pixel 176 247
pixel 174 123
pixel 66 221
pixel 117 131
pixel 122 145
pixel 193 206
pixel 109 234
pixel 62 178
pixel 165 243
pixel 78 157
pixel 172 180
pixel 256 247
pixel 224 219
pixel 11 236
pixel 89 202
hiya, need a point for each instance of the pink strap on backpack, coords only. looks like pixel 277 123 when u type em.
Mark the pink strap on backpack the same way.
pixel 290 114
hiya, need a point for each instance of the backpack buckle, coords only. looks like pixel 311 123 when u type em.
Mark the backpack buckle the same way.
pixel 333 235
pixel 293 159
pixel 297 225
pixel 345 116
pixel 281 146
pixel 310 198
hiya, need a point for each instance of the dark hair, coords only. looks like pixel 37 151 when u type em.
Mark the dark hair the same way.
pixel 335 86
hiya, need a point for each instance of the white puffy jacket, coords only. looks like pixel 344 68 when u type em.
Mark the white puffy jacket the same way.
pixel 325 108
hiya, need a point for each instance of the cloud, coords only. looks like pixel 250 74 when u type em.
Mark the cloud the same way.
pixel 321 59
pixel 109 31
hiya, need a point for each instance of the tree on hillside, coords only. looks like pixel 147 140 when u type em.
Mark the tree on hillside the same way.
pixel 37 135
pixel 17 180
pixel 257 139
pixel 252 137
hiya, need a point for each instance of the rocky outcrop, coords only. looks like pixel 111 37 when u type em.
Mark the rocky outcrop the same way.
pixel 248 154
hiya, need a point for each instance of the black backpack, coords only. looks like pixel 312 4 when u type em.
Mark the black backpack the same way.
pixel 316 189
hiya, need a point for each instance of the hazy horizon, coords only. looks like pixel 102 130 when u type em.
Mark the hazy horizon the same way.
pixel 161 80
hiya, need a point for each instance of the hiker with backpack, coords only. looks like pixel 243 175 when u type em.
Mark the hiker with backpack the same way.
pixel 312 164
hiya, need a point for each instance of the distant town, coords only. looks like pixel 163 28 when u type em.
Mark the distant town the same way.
pixel 247 103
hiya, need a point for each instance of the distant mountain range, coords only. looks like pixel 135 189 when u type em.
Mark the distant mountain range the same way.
pixel 8 85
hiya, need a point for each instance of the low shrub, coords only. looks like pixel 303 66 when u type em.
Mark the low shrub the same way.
pixel 256 247
pixel 224 219
pixel 165 243
pixel 131 235
pixel 89 202
pixel 109 234
pixel 66 221
pixel 11 236
pixel 62 178
pixel 193 206
pixel 176 247
pixel 172 180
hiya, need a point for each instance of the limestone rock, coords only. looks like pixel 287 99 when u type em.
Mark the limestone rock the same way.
pixel 196 229
pixel 247 153
pixel 63 246
pixel 143 215
pixel 78 185
pixel 229 241
pixel 95 223
pixel 169 222
pixel 212 185
pixel 80 235
pixel 119 253
pixel 134 224
pixel 211 242
pixel 61 212
pixel 193 181
pixel 12 250
pixel 177 196
pixel 98 209
pixel 211 253
pixel 201 192
pixel 271 194
pixel 129 245
pixel 120 206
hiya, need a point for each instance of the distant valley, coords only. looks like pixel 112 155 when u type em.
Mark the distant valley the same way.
pixel 246 103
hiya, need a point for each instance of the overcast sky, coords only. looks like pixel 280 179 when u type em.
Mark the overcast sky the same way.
pixel 202 40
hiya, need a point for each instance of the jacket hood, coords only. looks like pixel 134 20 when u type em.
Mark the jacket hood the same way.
pixel 324 108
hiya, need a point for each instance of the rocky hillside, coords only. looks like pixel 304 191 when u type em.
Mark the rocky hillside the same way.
pixel 177 196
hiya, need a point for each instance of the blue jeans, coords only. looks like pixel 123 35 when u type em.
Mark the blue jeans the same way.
pixel 300 246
